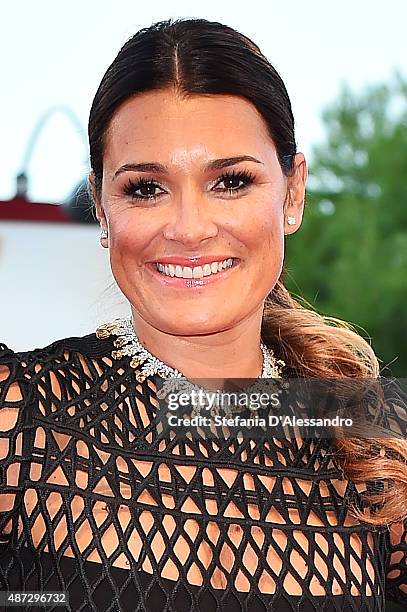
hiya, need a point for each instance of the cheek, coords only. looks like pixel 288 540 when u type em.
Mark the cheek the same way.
pixel 262 234
pixel 126 237
pixel 264 240
pixel 270 255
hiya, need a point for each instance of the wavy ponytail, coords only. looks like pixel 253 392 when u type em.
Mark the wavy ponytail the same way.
pixel 313 345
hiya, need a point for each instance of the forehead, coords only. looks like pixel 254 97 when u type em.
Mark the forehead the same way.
pixel 166 125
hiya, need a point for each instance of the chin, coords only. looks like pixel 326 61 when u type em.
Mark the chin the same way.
pixel 192 327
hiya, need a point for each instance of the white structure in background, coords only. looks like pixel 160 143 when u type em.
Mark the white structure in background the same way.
pixel 54 275
pixel 55 280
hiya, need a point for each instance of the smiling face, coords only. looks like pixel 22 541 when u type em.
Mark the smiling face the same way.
pixel 188 206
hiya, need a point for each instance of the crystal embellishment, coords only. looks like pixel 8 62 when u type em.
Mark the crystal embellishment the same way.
pixel 128 344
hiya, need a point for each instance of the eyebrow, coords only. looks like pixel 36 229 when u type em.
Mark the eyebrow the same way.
pixel 215 164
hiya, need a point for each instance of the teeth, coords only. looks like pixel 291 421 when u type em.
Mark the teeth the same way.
pixel 196 271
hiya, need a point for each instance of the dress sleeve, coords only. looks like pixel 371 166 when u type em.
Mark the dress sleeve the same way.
pixel 396 579
pixel 396 584
pixel 14 390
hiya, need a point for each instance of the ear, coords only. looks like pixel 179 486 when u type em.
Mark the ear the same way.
pixel 100 213
pixel 295 199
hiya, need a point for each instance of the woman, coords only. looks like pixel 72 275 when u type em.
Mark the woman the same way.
pixel 196 181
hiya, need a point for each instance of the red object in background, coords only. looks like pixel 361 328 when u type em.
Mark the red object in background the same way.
pixel 21 209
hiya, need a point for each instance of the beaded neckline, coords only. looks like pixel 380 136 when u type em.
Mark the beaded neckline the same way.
pixel 127 344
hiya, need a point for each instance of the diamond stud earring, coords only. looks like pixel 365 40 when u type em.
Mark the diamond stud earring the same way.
pixel 103 234
pixel 291 220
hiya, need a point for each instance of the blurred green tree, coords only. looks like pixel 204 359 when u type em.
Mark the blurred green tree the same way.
pixel 349 258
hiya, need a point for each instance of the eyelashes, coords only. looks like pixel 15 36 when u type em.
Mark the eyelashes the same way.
pixel 149 185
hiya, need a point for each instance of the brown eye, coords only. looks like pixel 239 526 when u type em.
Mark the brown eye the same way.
pixel 233 179
pixel 146 187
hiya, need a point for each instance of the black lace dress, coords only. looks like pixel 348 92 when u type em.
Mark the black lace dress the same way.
pixel 91 503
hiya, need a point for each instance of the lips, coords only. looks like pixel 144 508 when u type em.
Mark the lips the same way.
pixel 192 261
pixel 190 283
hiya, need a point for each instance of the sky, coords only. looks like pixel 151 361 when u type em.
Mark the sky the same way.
pixel 54 54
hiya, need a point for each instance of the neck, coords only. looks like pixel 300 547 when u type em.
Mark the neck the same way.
pixel 232 353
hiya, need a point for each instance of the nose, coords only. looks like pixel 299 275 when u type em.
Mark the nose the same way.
pixel 191 219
